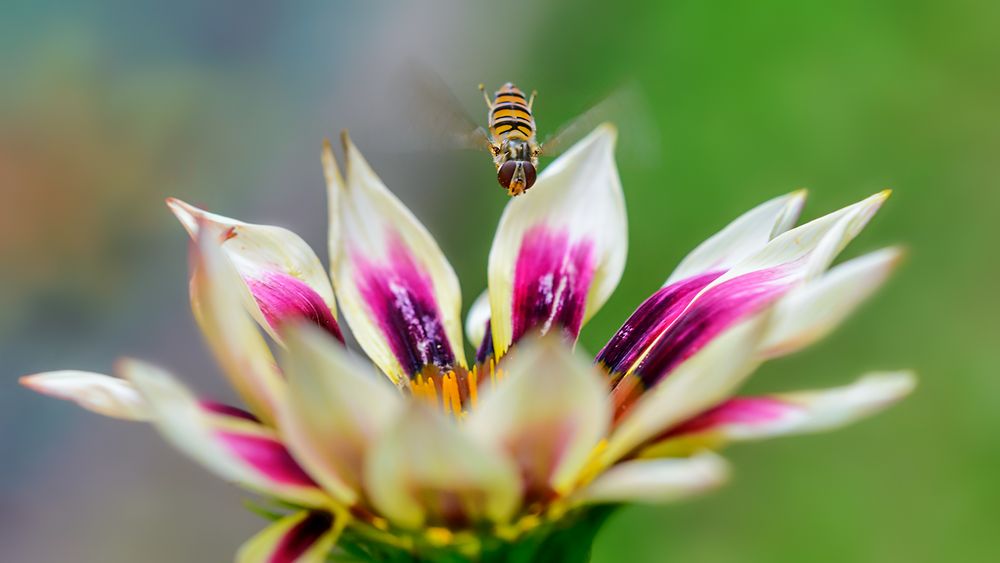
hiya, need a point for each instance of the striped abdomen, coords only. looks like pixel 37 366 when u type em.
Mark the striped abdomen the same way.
pixel 510 117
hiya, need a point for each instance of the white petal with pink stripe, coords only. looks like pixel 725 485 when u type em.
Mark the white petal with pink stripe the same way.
pixel 548 413
pixel 559 252
pixel 217 296
pixel 300 537
pixel 95 392
pixel 284 277
pixel 753 284
pixel 756 418
pixel 398 292
pixel 336 407
pixel 238 448
pixel 745 235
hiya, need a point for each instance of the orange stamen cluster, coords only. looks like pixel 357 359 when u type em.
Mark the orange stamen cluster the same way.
pixel 455 391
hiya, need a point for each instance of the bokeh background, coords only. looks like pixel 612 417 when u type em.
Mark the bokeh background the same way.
pixel 108 107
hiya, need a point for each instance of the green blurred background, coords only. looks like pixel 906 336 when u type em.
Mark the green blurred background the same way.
pixel 108 108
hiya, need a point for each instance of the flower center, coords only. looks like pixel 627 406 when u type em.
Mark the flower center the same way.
pixel 455 391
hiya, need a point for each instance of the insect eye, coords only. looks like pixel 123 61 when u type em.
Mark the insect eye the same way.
pixel 506 173
pixel 529 175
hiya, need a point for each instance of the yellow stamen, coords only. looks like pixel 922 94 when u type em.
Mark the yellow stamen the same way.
pixel 455 392
pixel 473 383
pixel 451 401
pixel 439 536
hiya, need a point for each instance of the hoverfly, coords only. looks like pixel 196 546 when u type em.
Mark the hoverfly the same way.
pixel 511 134
pixel 511 137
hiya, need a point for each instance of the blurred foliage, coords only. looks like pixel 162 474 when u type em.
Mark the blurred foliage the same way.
pixel 115 106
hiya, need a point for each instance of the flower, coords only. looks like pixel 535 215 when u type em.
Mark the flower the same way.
pixel 439 454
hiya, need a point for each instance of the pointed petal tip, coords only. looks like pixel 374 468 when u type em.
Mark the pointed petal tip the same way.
pixel 331 171
pixel 32 382
pixel 109 396
pixel 348 144
pixel 892 256
pixel 38 382
pixel 797 199
pixel 604 135
pixel 875 201
pixel 188 215
pixel 657 481
pixel 607 129
pixel 713 469
pixel 891 387
pixel 790 212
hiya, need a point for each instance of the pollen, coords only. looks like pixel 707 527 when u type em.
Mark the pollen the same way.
pixel 439 536
pixel 455 392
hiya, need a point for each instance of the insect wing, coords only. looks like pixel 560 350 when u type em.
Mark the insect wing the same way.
pixel 432 107
pixel 627 108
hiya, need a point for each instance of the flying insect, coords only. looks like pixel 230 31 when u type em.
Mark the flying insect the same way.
pixel 510 136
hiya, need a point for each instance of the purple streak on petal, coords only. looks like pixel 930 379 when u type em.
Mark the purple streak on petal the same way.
pixel 266 455
pixel 486 346
pixel 227 410
pixel 551 280
pixel 712 312
pixel 652 317
pixel 401 297
pixel 300 537
pixel 282 297
pixel 740 410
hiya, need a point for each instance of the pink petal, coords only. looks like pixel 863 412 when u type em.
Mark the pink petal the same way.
pixel 282 298
pixel 267 455
pixel 551 281
pixel 283 275
pixel 739 410
pixel 297 541
pixel 716 309
pixel 400 295
pixel 650 320
pixel 223 409
pixel 300 537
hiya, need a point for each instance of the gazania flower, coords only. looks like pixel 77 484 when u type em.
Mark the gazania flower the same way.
pixel 432 454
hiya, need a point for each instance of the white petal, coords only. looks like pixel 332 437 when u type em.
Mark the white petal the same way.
pixel 337 408
pixel 656 480
pixel 806 251
pixel 812 311
pixel 426 468
pixel 236 449
pixel 217 296
pixel 302 537
pixel 284 277
pixel 549 412
pixel 741 238
pixel 832 408
pixel 753 284
pixel 477 319
pixel 390 273
pixel 703 380
pixel 560 249
pixel 756 418
pixel 95 392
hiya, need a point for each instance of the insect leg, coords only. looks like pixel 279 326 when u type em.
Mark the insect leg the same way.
pixel 531 100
